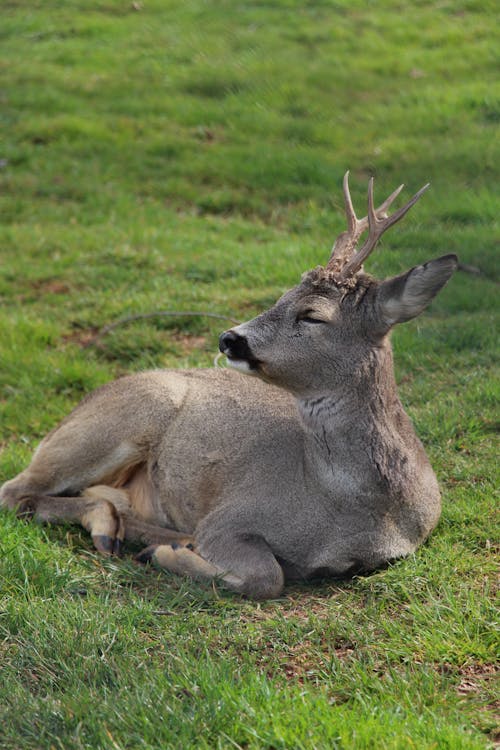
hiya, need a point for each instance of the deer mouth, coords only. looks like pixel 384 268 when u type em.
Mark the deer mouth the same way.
pixel 244 365
pixel 238 353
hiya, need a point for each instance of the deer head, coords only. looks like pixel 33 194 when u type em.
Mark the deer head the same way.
pixel 323 332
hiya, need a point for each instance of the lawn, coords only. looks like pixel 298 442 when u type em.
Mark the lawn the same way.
pixel 166 155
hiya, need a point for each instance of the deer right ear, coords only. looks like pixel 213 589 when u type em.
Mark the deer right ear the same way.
pixel 404 297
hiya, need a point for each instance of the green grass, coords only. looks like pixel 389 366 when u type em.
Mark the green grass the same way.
pixel 189 156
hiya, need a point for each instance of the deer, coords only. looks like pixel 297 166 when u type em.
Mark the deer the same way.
pixel 309 469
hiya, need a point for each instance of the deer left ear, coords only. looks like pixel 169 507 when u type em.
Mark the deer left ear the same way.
pixel 404 297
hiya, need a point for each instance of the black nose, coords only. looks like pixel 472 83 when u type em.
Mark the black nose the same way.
pixel 234 345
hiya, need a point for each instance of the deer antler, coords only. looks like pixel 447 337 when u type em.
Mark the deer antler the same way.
pixel 377 222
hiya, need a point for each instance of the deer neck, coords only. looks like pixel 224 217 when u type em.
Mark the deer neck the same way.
pixel 360 446
pixel 343 415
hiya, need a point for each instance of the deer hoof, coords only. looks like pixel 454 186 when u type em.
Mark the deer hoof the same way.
pixel 182 545
pixel 118 547
pixel 146 555
pixel 26 509
pixel 104 544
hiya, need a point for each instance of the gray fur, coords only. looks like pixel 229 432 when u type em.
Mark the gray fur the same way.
pixel 310 468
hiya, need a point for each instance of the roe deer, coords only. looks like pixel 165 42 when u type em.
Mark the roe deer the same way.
pixel 310 468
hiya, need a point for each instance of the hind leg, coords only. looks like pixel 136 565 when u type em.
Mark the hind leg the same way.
pixel 131 527
pixel 51 493
pixel 98 512
pixel 96 515
pixel 77 468
pixel 103 511
pixel 70 459
pixel 88 447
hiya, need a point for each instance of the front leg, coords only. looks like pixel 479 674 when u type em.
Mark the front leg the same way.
pixel 243 564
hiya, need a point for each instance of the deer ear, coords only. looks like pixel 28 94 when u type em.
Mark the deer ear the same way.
pixel 404 297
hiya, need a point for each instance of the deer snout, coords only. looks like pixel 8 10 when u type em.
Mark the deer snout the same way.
pixel 234 345
pixel 239 355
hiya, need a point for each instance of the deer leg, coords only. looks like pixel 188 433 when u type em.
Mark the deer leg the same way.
pixel 132 528
pixel 97 515
pixel 79 453
pixel 49 490
pixel 146 533
pixel 58 484
pixel 82 471
pixel 103 511
pixel 246 565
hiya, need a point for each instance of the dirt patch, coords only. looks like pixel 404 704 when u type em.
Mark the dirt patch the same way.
pixel 297 657
pixel 37 288
pixel 188 343
pixel 82 337
pixel 51 286
pixel 303 661
pixel 297 605
pixel 85 337
pixel 480 682
pixel 476 677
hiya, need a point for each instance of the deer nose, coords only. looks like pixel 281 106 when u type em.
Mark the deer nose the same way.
pixel 234 345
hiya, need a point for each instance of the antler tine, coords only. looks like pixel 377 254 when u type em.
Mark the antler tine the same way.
pixel 352 219
pixel 346 242
pixel 353 223
pixel 389 201
pixel 377 226
pixel 372 217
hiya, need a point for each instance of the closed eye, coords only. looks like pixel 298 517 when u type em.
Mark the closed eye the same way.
pixel 308 317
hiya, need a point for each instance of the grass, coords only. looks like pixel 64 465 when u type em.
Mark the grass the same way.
pixel 167 155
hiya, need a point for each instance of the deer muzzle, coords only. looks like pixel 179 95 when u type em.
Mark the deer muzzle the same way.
pixel 236 348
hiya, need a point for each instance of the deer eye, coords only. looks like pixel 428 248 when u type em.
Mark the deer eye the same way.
pixel 308 316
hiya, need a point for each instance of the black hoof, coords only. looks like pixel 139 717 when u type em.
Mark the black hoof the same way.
pixel 146 554
pixel 103 544
pixel 26 509
pixel 118 547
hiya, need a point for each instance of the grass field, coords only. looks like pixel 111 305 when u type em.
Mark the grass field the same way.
pixel 168 155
